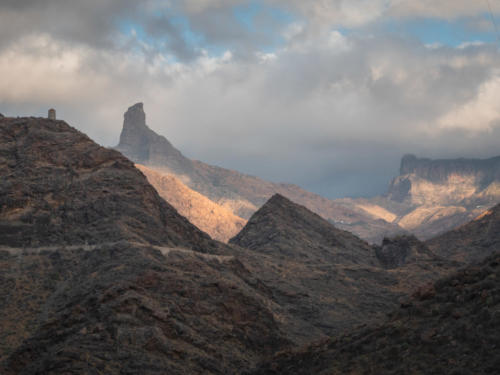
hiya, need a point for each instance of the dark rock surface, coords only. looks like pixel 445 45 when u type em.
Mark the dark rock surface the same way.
pixel 471 242
pixel 124 309
pixel 451 327
pixel 282 227
pixel 59 187
pixel 327 278
pixel 398 251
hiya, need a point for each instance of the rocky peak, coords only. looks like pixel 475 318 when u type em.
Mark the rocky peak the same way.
pixel 398 251
pixel 283 227
pixel 142 145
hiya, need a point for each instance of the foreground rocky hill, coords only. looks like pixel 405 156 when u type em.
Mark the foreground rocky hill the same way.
pixel 219 222
pixel 98 274
pixel 241 194
pixel 451 327
pixel 58 187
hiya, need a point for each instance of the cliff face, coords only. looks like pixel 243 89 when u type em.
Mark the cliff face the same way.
pixel 240 193
pixel 426 181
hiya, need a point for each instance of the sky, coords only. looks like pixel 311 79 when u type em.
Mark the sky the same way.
pixel 326 94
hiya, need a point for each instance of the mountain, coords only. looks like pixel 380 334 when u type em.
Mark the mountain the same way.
pixel 473 241
pixel 219 222
pixel 100 274
pixel 240 193
pixel 58 187
pixel 330 280
pixel 451 327
pixel 430 197
pixel 283 227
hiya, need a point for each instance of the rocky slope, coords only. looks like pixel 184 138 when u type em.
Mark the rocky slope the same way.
pixel 128 309
pixel 327 278
pixel 283 227
pixel 58 187
pixel 99 274
pixel 451 327
pixel 219 222
pixel 473 241
pixel 240 193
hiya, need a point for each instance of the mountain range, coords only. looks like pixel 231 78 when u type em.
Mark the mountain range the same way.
pixel 429 197
pixel 100 274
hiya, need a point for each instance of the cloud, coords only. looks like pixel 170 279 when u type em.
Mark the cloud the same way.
pixel 330 110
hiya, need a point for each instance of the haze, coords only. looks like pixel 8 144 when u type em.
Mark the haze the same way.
pixel 327 94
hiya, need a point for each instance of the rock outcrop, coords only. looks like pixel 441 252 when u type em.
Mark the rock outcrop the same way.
pixel 397 251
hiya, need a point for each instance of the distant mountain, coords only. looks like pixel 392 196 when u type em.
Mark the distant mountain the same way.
pixel 473 241
pixel 219 222
pixel 430 197
pixel 446 182
pixel 240 193
pixel 451 327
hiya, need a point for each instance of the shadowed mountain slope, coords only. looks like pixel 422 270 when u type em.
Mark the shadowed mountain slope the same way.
pixel 59 187
pixel 127 309
pixel 219 222
pixel 242 194
pixel 473 241
pixel 330 279
pixel 452 327
pixel 283 227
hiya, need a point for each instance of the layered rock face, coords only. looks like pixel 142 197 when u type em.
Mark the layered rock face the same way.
pixel 426 181
pixel 451 327
pixel 242 194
